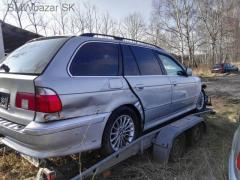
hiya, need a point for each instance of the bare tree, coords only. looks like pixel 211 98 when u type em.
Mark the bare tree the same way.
pixel 190 21
pixel 34 17
pixel 61 17
pixel 5 9
pixel 79 19
pixel 54 28
pixel 17 13
pixel 134 26
pixel 107 23
pixel 97 23
pixel 91 18
pixel 44 24
pixel 174 24
pixel 211 14
pixel 167 17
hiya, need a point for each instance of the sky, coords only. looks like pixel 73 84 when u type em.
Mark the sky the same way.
pixel 121 8
pixel 116 8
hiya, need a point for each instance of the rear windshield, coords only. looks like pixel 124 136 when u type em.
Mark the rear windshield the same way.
pixel 32 57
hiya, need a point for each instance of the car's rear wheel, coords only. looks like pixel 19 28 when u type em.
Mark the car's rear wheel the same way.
pixel 122 128
pixel 201 102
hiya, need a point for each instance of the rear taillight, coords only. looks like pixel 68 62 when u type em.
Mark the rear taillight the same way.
pixel 25 101
pixel 238 161
pixel 45 100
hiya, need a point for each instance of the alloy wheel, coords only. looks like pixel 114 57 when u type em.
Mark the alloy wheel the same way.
pixel 122 132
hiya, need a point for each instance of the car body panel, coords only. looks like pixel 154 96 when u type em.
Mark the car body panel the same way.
pixel 154 93
pixel 11 84
pixel 56 138
pixel 233 173
pixel 185 91
pixel 92 95
pixel 231 167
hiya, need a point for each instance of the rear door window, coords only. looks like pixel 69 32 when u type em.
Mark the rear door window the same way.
pixel 33 57
pixel 130 65
pixel 146 60
pixel 96 59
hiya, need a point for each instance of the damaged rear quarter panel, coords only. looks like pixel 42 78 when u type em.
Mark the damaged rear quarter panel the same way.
pixel 83 96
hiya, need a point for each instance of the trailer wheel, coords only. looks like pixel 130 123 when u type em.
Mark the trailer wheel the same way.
pixel 121 129
pixel 178 148
pixel 196 134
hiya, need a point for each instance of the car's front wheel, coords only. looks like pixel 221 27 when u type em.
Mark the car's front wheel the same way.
pixel 122 128
pixel 201 102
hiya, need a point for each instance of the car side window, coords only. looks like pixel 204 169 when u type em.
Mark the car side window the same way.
pixel 130 65
pixel 95 59
pixel 171 67
pixel 146 61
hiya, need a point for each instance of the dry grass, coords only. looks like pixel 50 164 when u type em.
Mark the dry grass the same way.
pixel 12 166
pixel 203 71
pixel 206 160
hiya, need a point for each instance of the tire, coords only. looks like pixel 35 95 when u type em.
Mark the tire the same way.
pixel 196 134
pixel 201 102
pixel 178 148
pixel 114 134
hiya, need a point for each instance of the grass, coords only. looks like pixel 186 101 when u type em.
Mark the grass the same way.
pixel 12 166
pixel 203 71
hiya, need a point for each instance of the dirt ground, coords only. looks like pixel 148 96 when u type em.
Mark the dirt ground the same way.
pixel 208 159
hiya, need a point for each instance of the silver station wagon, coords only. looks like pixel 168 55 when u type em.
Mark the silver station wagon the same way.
pixel 63 95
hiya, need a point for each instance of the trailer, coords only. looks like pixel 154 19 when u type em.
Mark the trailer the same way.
pixel 168 143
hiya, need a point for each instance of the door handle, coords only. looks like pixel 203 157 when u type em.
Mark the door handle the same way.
pixel 139 86
pixel 174 83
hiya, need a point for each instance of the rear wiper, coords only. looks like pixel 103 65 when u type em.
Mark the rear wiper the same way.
pixel 5 68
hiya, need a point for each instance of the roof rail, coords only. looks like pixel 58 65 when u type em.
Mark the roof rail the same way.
pixel 118 38
pixel 48 37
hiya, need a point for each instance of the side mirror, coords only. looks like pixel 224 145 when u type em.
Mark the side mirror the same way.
pixel 189 71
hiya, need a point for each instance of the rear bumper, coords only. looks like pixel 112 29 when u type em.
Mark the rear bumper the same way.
pixel 57 138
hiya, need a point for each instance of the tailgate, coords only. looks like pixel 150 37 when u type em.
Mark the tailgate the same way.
pixel 10 84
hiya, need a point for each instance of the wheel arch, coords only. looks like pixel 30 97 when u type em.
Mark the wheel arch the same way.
pixel 137 108
pixel 139 113
pixel 132 107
